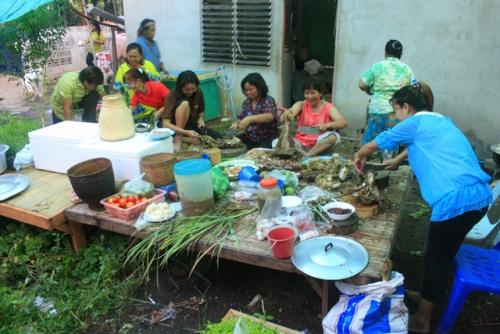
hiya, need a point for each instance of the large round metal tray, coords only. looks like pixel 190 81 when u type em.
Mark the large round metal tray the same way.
pixel 330 258
pixel 12 184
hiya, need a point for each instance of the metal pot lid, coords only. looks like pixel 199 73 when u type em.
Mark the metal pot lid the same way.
pixel 12 184
pixel 330 258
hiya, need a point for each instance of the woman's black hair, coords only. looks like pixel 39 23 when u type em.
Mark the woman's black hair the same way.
pixel 418 96
pixel 394 48
pixel 255 79
pixel 184 78
pixel 134 46
pixel 97 28
pixel 314 83
pixel 144 26
pixel 92 74
pixel 136 74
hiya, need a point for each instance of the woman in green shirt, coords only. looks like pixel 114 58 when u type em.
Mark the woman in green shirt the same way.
pixel 77 90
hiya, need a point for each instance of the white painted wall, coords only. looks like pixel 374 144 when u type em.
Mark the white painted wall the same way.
pixel 178 33
pixel 453 45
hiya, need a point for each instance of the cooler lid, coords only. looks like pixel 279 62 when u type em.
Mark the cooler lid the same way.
pixel 67 132
pixel 135 147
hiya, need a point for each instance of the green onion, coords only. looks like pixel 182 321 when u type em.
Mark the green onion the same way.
pixel 167 240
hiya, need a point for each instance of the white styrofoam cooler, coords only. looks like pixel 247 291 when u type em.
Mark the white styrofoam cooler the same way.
pixel 58 147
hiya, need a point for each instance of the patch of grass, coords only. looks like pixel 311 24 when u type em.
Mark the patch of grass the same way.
pixel 14 131
pixel 83 286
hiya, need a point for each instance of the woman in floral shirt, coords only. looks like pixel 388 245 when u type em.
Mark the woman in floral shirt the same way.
pixel 381 81
pixel 257 119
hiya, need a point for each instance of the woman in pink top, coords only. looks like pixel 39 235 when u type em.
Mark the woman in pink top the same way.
pixel 315 113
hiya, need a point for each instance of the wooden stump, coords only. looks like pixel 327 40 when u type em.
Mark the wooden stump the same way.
pixel 363 211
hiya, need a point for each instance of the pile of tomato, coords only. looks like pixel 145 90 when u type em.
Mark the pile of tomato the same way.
pixel 125 202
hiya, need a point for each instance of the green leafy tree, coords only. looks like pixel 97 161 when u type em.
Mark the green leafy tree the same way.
pixel 32 38
pixel 34 35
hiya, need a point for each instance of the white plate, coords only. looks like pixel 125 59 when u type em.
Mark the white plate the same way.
pixel 12 184
pixel 330 258
pixel 160 134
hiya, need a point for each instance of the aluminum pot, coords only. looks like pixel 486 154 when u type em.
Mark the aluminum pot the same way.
pixel 3 157
pixel 495 149
pixel 93 180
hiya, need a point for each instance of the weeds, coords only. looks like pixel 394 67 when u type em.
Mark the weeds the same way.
pixel 14 131
pixel 83 286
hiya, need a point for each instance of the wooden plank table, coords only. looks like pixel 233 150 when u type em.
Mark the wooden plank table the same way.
pixel 376 234
pixel 42 204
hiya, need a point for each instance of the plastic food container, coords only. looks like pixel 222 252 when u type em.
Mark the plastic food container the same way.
pixel 194 185
pixel 268 189
pixel 135 211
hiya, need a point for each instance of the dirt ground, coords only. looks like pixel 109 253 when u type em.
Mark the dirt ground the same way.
pixel 288 298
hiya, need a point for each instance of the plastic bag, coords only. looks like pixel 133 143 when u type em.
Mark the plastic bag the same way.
pixel 23 158
pixel 266 219
pixel 240 327
pixel 312 66
pixel 311 193
pixel 220 182
pixel 137 186
pixel 290 179
pixel 371 308
pixel 302 218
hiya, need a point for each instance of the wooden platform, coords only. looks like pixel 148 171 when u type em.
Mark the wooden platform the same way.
pixel 376 234
pixel 42 204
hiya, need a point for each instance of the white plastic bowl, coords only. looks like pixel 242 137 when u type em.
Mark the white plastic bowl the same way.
pixel 290 201
pixel 341 205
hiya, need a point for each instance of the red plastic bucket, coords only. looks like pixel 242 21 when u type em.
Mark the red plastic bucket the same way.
pixel 282 240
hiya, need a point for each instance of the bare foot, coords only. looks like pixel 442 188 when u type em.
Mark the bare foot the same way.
pixel 416 326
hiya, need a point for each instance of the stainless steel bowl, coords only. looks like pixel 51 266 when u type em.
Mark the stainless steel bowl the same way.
pixel 142 127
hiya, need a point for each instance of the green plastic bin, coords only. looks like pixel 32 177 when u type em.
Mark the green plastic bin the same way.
pixel 209 88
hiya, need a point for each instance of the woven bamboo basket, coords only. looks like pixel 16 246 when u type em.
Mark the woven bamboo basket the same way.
pixel 158 168
pixel 185 155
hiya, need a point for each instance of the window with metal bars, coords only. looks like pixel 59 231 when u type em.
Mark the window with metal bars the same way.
pixel 236 31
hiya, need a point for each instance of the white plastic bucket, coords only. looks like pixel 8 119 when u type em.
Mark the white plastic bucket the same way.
pixel 3 157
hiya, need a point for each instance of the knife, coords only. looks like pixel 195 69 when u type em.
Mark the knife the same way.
pixel 309 130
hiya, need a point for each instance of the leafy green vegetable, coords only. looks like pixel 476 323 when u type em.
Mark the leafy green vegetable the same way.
pixel 227 327
pixel 166 240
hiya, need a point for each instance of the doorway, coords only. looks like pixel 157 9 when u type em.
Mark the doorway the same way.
pixel 310 35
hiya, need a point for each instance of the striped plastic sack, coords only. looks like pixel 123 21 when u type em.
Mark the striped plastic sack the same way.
pixel 369 309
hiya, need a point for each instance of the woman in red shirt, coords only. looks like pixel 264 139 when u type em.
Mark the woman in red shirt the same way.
pixel 149 96
pixel 314 113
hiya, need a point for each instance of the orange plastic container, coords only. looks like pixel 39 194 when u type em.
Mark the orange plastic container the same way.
pixel 135 211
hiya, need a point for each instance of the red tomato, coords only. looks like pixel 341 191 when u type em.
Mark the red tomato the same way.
pixel 132 199
pixel 123 203
pixel 130 204
pixel 116 199
pixel 143 199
